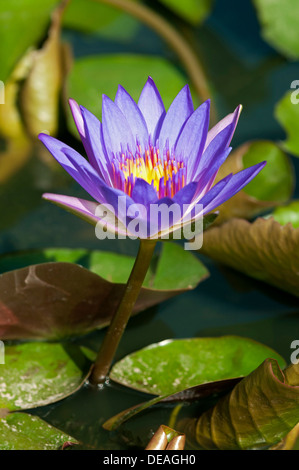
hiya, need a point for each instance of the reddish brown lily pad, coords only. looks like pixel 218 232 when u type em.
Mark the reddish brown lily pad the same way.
pixel 58 299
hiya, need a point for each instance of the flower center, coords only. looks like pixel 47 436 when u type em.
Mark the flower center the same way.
pixel 164 172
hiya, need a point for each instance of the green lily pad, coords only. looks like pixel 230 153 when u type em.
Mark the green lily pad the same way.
pixel 276 181
pixel 36 374
pixel 43 301
pixel 260 410
pixel 174 365
pixel 272 186
pixel 89 16
pixel 16 16
pixel 104 73
pixel 21 431
pixel 287 214
pixel 280 22
pixel 264 250
pixel 191 10
pixel 287 114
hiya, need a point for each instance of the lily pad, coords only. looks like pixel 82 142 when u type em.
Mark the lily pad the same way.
pixel 16 32
pixel 43 301
pixel 264 250
pixel 279 22
pixel 105 73
pixel 191 10
pixel 36 374
pixel 21 431
pixel 174 365
pixel 259 412
pixel 272 186
pixel 287 114
pixel 89 16
pixel 287 214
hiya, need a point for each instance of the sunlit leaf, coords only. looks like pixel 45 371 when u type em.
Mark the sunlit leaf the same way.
pixel 17 143
pixel 104 73
pixel 279 20
pixel 239 357
pixel 287 214
pixel 21 431
pixel 272 186
pixel 57 299
pixel 89 16
pixel 261 409
pixel 36 374
pixel 263 249
pixel 41 90
pixel 175 365
pixel 287 113
pixel 194 11
pixel 22 24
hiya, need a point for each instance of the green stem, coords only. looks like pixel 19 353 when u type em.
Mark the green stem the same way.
pixel 175 40
pixel 119 322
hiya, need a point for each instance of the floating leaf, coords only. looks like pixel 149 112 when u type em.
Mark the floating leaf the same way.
pixel 208 369
pixel 41 90
pixel 193 11
pixel 287 114
pixel 36 374
pixel 18 145
pixel 279 24
pixel 57 299
pixel 22 25
pixel 264 250
pixel 174 365
pixel 105 73
pixel 272 186
pixel 21 431
pixel 261 409
pixel 89 16
pixel 287 214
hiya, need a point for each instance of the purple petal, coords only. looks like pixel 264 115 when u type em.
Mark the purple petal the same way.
pixel 210 171
pixel 151 105
pixel 185 195
pixel 160 220
pixel 144 193
pixel 77 116
pixel 94 144
pixel 234 185
pixel 117 133
pixel 132 114
pixel 227 121
pixel 86 210
pixel 213 151
pixel 191 142
pixel 76 165
pixel 180 110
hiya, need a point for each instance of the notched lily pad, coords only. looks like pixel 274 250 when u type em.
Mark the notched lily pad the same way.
pixel 174 365
pixel 259 412
pixel 204 366
pixel 264 250
pixel 36 374
pixel 58 299
pixel 21 431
